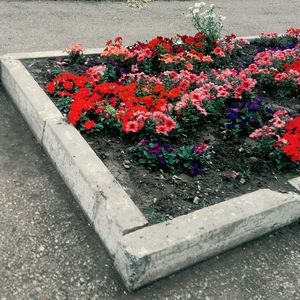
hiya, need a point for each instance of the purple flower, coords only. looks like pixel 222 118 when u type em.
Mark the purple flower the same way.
pixel 155 150
pixel 143 142
pixel 167 147
pixel 195 169
pixel 161 161
pixel 233 113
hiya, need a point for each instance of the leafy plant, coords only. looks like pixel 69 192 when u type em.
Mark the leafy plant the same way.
pixel 244 117
pixel 75 53
pixel 206 21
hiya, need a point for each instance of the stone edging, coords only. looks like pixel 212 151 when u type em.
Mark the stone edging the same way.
pixel 141 254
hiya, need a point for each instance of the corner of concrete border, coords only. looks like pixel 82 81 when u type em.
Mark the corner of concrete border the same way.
pixel 104 201
pixel 159 250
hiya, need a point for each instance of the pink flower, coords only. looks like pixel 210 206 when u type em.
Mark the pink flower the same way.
pixel 134 68
pixel 256 134
pixel 234 174
pixel 218 52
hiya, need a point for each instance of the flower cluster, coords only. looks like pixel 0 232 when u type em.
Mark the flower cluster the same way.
pixel 75 53
pixel 291 137
pixel 163 88
pixel 206 20
pixel 278 68
pixel 280 138
pixel 157 155
pixel 243 117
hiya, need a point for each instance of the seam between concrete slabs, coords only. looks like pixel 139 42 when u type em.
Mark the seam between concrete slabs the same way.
pixel 132 267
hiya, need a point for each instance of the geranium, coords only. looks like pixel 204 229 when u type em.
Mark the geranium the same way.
pixel 75 53
pixel 292 136
pixel 89 124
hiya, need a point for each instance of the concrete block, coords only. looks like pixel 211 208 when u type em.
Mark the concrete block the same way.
pixel 34 105
pixel 43 54
pixel 295 182
pixel 153 252
pixel 108 207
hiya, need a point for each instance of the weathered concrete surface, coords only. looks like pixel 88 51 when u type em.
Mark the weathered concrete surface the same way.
pixel 108 207
pixel 164 248
pixel 52 25
pixel 47 249
pixel 21 87
pixel 295 182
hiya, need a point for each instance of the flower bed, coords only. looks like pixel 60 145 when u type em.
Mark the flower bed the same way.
pixel 185 122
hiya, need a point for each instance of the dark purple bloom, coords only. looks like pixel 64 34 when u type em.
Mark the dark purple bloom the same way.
pixel 155 150
pixel 269 111
pixel 229 126
pixel 195 169
pixel 254 105
pixel 162 161
pixel 233 113
pixel 167 147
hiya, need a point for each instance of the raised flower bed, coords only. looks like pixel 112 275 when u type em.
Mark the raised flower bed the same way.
pixel 182 123
pixel 183 130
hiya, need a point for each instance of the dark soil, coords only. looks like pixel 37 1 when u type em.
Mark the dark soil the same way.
pixel 164 196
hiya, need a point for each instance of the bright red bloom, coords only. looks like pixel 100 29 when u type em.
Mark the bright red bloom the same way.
pixel 89 124
pixel 50 87
pixel 67 85
pixel 292 136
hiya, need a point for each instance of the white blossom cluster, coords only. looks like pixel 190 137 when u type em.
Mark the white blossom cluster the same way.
pixel 206 21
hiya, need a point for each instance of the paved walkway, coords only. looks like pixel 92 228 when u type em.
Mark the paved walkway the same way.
pixel 47 248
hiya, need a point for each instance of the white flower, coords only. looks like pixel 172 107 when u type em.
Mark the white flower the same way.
pixel 199 4
pixel 196 10
pixel 222 18
pixel 210 16
pixel 203 13
pixel 212 5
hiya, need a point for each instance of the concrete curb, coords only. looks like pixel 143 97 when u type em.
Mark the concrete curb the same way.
pixel 142 254
pixel 194 237
pixel 43 54
pixel 108 207
pixel 106 204
pixel 295 182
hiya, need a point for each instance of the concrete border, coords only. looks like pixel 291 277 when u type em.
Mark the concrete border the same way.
pixel 107 206
pixel 142 254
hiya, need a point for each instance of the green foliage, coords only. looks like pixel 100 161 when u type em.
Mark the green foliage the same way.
pixel 206 21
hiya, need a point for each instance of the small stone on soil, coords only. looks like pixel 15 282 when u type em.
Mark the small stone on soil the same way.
pixel 126 164
pixel 196 200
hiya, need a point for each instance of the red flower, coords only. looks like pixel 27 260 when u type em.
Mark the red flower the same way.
pixel 296 65
pixel 67 85
pixel 50 87
pixel 292 136
pixel 89 124
pixel 118 39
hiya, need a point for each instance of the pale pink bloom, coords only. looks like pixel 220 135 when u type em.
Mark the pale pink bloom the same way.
pixel 256 134
pixel 61 63
pixel 75 48
pixel 264 71
pixel 134 68
pixel 278 123
pixel 280 112
pixel 281 76
pixel 269 34
pixel 234 174
pixel 207 58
